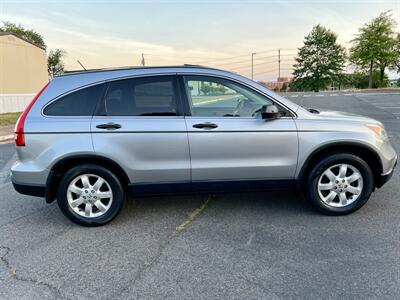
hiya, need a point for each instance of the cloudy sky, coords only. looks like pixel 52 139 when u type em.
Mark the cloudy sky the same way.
pixel 220 33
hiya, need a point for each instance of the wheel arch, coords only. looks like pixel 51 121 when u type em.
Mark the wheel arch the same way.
pixel 367 153
pixel 61 166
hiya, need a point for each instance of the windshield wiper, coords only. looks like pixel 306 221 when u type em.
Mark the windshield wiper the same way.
pixel 231 115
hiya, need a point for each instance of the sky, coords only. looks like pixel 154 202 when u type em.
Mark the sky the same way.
pixel 220 33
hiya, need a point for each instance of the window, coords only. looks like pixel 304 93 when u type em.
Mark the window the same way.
pixel 151 96
pixel 79 103
pixel 216 97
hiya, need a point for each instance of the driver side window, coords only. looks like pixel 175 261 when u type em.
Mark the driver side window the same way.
pixel 217 97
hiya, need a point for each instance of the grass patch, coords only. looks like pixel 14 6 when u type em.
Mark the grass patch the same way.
pixel 9 118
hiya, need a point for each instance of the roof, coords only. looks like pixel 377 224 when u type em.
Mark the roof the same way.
pixel 21 38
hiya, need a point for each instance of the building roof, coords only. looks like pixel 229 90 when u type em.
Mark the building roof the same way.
pixel 21 38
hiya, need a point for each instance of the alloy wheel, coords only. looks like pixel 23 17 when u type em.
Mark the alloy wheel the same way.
pixel 340 185
pixel 89 195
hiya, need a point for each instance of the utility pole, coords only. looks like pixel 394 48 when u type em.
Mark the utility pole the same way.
pixel 142 62
pixel 279 64
pixel 252 65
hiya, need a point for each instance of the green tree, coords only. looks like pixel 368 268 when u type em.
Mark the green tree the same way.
pixel 27 34
pixel 396 62
pixel 373 47
pixel 319 61
pixel 360 80
pixel 55 64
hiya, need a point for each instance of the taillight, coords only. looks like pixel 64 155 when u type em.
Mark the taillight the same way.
pixel 19 127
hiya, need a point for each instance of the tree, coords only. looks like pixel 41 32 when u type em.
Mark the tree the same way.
pixel 27 34
pixel 373 47
pixel 319 61
pixel 396 62
pixel 361 80
pixel 55 64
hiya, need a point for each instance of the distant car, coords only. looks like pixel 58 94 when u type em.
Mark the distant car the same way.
pixel 89 139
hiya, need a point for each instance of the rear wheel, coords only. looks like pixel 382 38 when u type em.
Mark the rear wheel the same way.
pixel 339 184
pixel 90 195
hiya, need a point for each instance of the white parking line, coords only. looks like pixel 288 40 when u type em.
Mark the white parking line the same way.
pixel 377 94
pixel 333 95
pixel 390 107
pixel 294 96
pixel 348 94
pixel 306 96
pixel 319 95
pixel 377 103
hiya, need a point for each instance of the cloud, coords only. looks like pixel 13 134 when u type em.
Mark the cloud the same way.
pixel 102 49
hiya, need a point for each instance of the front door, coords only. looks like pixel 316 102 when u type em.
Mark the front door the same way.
pixel 141 127
pixel 229 140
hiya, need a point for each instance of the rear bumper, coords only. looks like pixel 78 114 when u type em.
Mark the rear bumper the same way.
pixel 385 177
pixel 31 190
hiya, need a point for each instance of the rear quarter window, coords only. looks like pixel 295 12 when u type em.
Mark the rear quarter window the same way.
pixel 79 103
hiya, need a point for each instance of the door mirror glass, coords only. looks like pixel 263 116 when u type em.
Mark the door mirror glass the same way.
pixel 271 112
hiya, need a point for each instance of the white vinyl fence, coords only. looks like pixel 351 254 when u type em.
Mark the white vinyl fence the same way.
pixel 14 102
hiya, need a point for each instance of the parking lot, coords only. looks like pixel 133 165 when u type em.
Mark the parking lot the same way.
pixel 232 246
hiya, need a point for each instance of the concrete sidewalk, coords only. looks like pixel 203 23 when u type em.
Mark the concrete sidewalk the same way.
pixel 6 133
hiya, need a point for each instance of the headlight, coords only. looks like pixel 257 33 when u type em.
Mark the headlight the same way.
pixel 379 130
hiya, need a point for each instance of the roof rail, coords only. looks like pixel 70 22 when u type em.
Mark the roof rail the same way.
pixel 72 72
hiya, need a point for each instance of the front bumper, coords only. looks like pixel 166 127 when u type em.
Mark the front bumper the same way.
pixel 385 177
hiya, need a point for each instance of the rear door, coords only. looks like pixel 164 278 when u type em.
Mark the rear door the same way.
pixel 228 138
pixel 140 125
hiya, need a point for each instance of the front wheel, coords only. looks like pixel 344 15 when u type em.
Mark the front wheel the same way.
pixel 339 184
pixel 90 195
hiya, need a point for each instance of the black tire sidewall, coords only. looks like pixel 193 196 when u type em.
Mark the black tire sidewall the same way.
pixel 116 187
pixel 324 164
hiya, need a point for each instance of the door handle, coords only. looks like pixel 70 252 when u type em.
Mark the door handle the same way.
pixel 109 126
pixel 205 125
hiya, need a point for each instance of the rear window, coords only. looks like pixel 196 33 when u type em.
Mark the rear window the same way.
pixel 79 103
pixel 152 96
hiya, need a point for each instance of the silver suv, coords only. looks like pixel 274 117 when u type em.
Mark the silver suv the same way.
pixel 89 139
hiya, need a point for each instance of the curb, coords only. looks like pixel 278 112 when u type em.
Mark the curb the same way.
pixel 4 138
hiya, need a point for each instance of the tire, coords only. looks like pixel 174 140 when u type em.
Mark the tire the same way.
pixel 321 185
pixel 102 190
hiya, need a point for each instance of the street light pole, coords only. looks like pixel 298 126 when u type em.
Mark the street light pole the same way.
pixel 279 64
pixel 252 65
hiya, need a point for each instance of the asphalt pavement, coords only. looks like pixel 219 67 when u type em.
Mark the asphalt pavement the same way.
pixel 234 246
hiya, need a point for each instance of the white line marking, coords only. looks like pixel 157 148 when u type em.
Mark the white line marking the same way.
pixel 294 96
pixel 377 103
pixel 333 95
pixel 347 94
pixel 377 94
pixel 306 95
pixel 250 239
pixel 319 95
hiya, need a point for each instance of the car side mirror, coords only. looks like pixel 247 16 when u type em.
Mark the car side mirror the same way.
pixel 271 112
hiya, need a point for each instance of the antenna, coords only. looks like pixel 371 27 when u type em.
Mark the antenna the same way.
pixel 81 65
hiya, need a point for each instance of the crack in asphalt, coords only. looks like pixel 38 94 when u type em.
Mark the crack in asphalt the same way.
pixel 148 264
pixel 13 273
